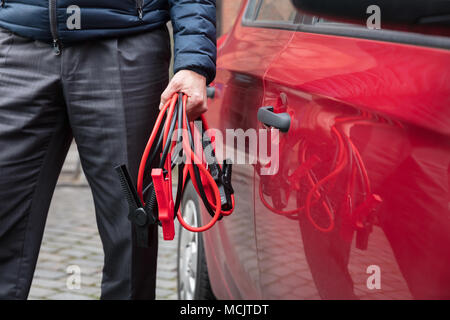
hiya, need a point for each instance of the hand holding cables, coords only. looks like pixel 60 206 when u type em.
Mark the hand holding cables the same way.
pixel 154 203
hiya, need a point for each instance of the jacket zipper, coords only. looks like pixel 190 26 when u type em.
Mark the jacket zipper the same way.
pixel 140 8
pixel 54 26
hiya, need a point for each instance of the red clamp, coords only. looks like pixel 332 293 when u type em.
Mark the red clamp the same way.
pixel 164 196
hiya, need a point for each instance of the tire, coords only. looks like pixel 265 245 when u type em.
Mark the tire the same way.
pixel 193 279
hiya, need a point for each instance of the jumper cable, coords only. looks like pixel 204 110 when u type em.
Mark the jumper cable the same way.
pixel 154 203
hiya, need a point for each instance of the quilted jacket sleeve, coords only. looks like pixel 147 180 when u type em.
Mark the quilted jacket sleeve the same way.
pixel 194 28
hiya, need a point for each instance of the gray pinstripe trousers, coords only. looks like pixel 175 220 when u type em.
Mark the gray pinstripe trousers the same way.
pixel 105 95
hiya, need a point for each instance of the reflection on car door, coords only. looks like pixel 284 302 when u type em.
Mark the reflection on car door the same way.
pixel 359 206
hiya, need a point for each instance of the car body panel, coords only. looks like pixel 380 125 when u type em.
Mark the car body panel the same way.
pixel 369 145
pixel 397 107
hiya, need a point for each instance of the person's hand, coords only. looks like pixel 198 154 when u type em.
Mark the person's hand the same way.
pixel 191 84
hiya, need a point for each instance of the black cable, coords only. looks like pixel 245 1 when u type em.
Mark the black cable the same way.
pixel 179 193
pixel 168 142
pixel 156 149
pixel 198 178
pixel 179 190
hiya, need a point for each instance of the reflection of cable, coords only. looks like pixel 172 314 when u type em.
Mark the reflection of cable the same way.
pixel 342 157
pixel 306 166
pixel 347 155
pixel 274 210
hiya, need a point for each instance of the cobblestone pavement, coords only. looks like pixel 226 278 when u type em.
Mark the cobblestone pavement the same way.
pixel 71 239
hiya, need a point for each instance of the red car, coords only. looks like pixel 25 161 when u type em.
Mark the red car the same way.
pixel 360 205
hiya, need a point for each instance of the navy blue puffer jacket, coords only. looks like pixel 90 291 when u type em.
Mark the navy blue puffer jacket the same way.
pixel 65 22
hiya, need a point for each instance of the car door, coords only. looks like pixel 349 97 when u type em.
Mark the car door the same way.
pixel 242 62
pixel 359 205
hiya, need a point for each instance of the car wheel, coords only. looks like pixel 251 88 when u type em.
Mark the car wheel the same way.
pixel 193 279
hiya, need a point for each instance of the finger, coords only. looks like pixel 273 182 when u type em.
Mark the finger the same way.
pixel 167 95
pixel 195 113
pixel 195 101
pixel 193 106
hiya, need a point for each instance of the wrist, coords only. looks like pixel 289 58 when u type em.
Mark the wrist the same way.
pixel 199 71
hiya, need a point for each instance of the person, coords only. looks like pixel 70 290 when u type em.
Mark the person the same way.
pixel 96 71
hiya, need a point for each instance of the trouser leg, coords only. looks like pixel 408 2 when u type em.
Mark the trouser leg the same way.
pixel 34 139
pixel 112 89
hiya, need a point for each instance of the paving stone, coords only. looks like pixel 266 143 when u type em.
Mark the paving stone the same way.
pixel 87 263
pixel 74 253
pixel 49 274
pixel 48 264
pixel 89 281
pixel 166 275
pixel 88 248
pixel 164 293
pixel 70 296
pixel 92 291
pixel 49 249
pixel 98 258
pixel 173 296
pixel 164 284
pixel 45 256
pixel 168 265
pixel 49 284
pixel 41 293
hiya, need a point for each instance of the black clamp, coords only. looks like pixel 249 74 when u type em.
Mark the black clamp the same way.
pixel 222 176
pixel 139 217
pixel 227 170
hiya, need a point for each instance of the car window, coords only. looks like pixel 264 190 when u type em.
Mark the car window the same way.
pixel 280 14
pixel 276 10
pixel 399 34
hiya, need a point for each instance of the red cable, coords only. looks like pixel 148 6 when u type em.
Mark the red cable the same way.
pixel 188 150
pixel 148 148
pixel 189 167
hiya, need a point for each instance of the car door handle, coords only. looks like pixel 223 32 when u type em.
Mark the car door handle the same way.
pixel 210 92
pixel 281 121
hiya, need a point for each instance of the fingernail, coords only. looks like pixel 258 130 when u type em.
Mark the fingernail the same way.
pixel 161 105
